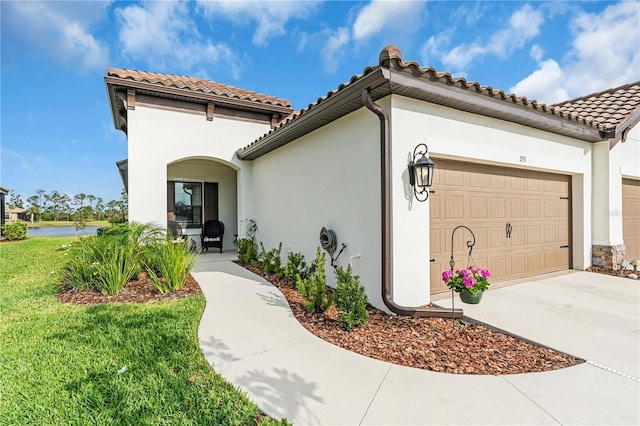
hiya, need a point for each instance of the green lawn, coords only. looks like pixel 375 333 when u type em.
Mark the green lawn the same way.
pixel 42 223
pixel 59 363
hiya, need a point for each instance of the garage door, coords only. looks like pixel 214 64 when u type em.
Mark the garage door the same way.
pixel 520 218
pixel 631 217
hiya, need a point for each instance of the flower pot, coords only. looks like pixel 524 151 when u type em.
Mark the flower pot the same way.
pixel 472 299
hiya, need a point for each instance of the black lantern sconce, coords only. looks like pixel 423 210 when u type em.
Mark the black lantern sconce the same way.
pixel 421 172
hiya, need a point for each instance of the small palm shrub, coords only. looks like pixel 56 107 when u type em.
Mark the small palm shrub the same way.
pixel 81 261
pixel 271 261
pixel 350 299
pixel 247 251
pixel 313 288
pixel 296 267
pixel 173 261
pixel 15 230
pixel 116 265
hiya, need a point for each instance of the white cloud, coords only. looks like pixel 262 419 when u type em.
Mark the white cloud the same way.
pixel 544 84
pixel 379 15
pixel 524 24
pixel 62 29
pixel 536 52
pixel 333 51
pixel 163 35
pixel 271 17
pixel 15 158
pixel 604 54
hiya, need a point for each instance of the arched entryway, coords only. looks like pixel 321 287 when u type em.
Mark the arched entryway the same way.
pixel 201 189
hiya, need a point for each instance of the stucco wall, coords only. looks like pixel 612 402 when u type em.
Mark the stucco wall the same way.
pixel 330 178
pixel 158 137
pixel 454 134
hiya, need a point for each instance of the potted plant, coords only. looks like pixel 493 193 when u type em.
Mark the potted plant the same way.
pixel 470 283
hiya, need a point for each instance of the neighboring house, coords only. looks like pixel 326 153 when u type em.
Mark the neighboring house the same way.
pixel 13 214
pixel 544 188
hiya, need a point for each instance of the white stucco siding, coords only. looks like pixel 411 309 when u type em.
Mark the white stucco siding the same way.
pixel 158 137
pixel 330 178
pixel 611 164
pixel 453 134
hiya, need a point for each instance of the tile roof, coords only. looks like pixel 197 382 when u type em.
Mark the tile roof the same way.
pixel 611 107
pixel 391 58
pixel 196 85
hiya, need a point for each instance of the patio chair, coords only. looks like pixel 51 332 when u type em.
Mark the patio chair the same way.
pixel 212 234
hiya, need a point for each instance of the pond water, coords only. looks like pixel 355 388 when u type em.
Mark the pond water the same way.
pixel 61 231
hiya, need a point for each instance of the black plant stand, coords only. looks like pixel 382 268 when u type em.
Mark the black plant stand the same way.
pixel 452 264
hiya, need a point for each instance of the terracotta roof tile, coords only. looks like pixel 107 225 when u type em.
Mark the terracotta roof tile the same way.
pixel 611 107
pixel 390 57
pixel 196 85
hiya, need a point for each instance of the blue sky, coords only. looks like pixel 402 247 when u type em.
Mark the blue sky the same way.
pixel 56 127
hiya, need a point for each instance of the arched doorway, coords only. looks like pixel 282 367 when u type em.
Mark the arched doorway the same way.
pixel 201 189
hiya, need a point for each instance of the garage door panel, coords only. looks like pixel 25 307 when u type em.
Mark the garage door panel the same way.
pixel 518 207
pixel 498 208
pixel 478 208
pixel 486 199
pixel 518 264
pixel 453 207
pixel 551 208
pixel 631 217
pixel 533 234
pixel 550 234
pixel 533 209
pixel 518 235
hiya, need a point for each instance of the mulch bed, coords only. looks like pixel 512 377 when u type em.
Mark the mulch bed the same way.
pixel 610 271
pixel 427 343
pixel 141 290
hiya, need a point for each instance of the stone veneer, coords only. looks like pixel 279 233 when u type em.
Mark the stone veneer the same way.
pixel 608 256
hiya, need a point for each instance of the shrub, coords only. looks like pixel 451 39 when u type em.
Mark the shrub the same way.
pixel 350 299
pixel 296 266
pixel 79 270
pixel 271 261
pixel 109 261
pixel 313 288
pixel 116 264
pixel 171 260
pixel 15 230
pixel 247 251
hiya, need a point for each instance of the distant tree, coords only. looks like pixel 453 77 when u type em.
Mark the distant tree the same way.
pixel 99 209
pixel 33 212
pixel 15 200
pixel 79 199
pixel 34 207
pixel 40 193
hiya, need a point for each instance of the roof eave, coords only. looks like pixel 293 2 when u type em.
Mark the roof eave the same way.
pixel 197 97
pixel 482 104
pixel 336 105
pixel 111 94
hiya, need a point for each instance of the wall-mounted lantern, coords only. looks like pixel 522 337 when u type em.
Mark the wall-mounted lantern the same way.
pixel 421 172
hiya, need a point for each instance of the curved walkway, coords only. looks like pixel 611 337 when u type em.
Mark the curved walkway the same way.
pixel 249 336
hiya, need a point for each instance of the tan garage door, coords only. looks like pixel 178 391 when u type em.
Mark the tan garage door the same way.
pixel 520 220
pixel 631 217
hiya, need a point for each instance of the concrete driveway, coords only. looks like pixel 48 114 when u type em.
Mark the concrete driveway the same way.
pixel 588 315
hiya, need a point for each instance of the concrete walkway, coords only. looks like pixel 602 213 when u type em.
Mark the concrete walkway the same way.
pixel 249 336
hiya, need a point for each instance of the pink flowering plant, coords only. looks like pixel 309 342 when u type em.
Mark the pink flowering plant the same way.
pixel 471 278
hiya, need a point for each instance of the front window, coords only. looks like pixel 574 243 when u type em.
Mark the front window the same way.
pixel 188 203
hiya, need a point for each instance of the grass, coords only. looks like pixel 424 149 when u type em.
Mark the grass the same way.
pixel 43 223
pixel 64 364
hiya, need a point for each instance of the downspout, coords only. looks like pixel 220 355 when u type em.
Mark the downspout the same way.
pixel 385 162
